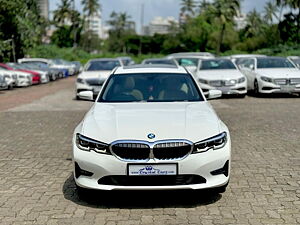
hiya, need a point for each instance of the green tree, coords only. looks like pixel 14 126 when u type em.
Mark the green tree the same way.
pixel 90 7
pixel 188 7
pixel 270 11
pixel 63 13
pixel 294 5
pixel 120 26
pixel 254 24
pixel 224 10
pixel 21 27
pixel 62 37
pixel 204 6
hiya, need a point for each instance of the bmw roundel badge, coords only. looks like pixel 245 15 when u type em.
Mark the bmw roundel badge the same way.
pixel 151 136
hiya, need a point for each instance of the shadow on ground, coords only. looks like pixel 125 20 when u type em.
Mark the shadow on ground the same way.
pixel 137 199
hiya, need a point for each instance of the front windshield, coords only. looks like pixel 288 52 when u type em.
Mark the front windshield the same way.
pixel 102 65
pixel 264 63
pixel 220 64
pixel 296 61
pixel 187 61
pixel 58 61
pixel 148 87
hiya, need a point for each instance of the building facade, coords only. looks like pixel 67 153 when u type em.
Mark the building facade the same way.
pixel 94 24
pixel 44 8
pixel 160 25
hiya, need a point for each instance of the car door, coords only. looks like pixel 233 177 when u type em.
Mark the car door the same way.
pixel 247 67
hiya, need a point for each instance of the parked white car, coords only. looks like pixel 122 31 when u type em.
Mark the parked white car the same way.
pixel 3 84
pixel 190 60
pixel 45 76
pixel 221 74
pixel 94 74
pixel 23 79
pixel 151 128
pixel 10 77
pixel 271 75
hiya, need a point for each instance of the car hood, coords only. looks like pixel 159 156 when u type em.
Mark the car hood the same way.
pixel 134 121
pixel 23 73
pixel 279 73
pixel 219 74
pixel 103 74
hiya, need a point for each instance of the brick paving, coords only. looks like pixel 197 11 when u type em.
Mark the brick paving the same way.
pixel 36 184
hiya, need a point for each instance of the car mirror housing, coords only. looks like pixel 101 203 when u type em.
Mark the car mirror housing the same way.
pixel 87 95
pixel 212 94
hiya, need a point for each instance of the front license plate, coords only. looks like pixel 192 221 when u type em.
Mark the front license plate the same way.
pixel 152 169
pixel 224 89
pixel 287 88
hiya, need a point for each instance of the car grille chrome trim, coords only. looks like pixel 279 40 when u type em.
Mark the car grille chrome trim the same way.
pixel 281 81
pixel 291 81
pixel 143 151
pixel 94 81
pixel 223 83
pixel 295 81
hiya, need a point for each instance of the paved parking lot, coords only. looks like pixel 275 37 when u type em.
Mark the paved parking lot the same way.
pixel 36 184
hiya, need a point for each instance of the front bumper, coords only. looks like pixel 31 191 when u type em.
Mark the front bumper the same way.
pixel 268 88
pixel 237 89
pixel 23 82
pixel 85 87
pixel 3 86
pixel 201 164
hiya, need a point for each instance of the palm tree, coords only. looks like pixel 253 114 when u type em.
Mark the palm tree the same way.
pixel 120 22
pixel 204 6
pixel 293 4
pixel 254 23
pixel 120 26
pixel 270 11
pixel 187 6
pixel 225 11
pixel 90 7
pixel 63 12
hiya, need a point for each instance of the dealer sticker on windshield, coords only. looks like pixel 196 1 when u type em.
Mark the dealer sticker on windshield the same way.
pixel 152 169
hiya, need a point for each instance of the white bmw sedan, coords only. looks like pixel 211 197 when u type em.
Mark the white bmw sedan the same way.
pixel 223 75
pixel 151 128
pixel 271 75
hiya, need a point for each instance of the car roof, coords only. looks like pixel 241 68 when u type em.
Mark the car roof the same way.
pixel 246 56
pixel 104 59
pixel 158 59
pixel 150 68
pixel 192 54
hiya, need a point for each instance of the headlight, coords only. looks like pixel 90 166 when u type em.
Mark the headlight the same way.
pixel 87 144
pixel 266 79
pixel 241 80
pixel 216 142
pixel 203 81
pixel 80 80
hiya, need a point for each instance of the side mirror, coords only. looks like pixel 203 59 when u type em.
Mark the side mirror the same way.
pixel 251 67
pixel 87 95
pixel 214 94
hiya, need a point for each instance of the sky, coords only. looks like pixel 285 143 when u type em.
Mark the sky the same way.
pixel 152 8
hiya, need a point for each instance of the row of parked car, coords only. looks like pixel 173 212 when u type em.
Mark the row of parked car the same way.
pixel 233 75
pixel 32 71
